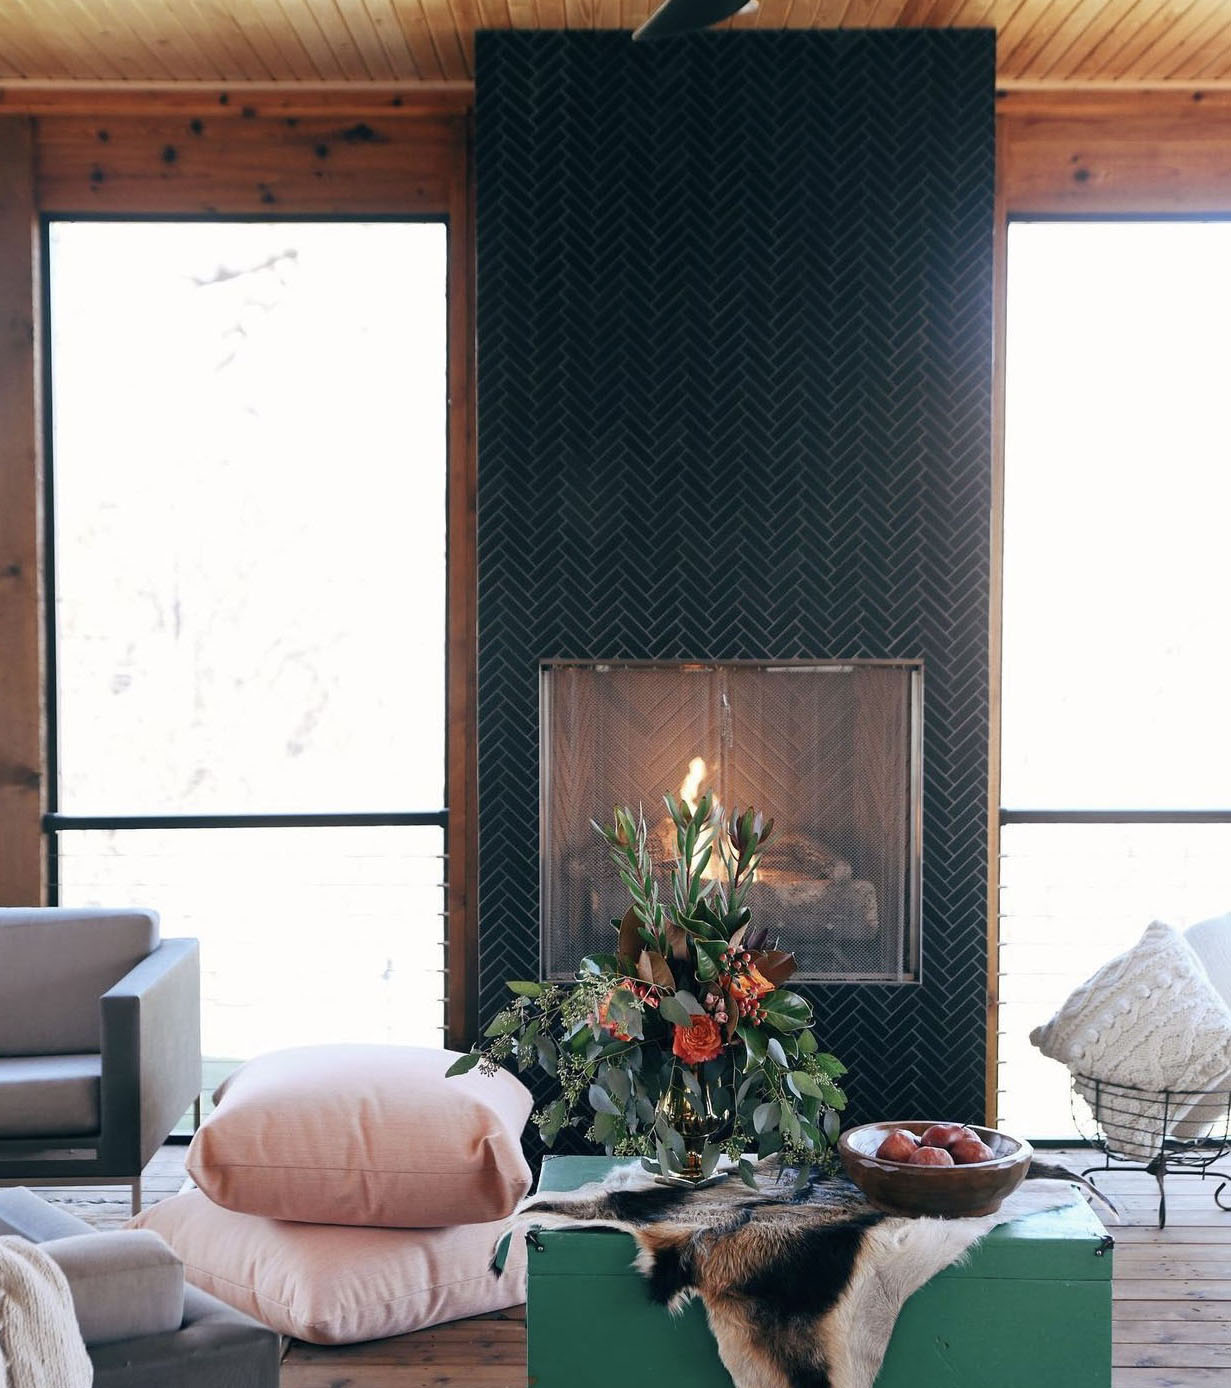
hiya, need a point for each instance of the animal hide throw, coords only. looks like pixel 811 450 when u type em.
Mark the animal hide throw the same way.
pixel 802 1289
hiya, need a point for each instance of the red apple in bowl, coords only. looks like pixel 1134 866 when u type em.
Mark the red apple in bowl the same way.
pixel 898 1146
pixel 930 1156
pixel 971 1149
pixel 944 1135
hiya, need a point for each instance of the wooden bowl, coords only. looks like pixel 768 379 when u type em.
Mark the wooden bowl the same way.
pixel 946 1192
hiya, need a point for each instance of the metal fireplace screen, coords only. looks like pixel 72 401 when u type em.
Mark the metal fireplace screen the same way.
pixel 831 751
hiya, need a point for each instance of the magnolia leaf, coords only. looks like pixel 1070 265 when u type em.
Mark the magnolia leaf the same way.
pixel 756 1042
pixel 677 940
pixel 463 1063
pixel 803 1083
pixel 765 1117
pixel 630 937
pixel 776 966
pixel 738 937
pixel 747 1173
pixel 672 1010
pixel 707 970
pixel 653 968
pixel 776 1053
pixel 524 988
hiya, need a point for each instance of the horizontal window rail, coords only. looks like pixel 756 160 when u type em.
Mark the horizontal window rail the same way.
pixel 53 823
pixel 1115 816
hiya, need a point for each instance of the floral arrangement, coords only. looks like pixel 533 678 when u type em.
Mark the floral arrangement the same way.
pixel 682 1044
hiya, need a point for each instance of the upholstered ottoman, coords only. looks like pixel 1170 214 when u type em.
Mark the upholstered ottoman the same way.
pixel 1030 1307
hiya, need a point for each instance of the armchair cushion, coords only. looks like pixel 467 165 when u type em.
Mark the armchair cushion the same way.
pixel 125 1283
pixel 49 1095
pixel 55 964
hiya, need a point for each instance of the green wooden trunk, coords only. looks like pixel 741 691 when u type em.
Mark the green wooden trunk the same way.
pixel 1030 1308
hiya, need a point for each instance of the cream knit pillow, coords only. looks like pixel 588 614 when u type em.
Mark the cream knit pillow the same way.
pixel 1151 1019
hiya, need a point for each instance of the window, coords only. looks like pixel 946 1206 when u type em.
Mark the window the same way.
pixel 1116 759
pixel 248 625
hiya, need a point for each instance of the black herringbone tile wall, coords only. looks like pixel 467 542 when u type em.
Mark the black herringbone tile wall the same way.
pixel 735 350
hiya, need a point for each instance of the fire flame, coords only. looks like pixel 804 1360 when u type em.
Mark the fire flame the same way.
pixel 690 793
pixel 690 789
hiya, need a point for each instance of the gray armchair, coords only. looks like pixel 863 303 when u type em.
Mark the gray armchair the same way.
pixel 100 1044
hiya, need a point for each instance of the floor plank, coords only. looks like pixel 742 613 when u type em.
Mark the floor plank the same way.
pixel 1171 1309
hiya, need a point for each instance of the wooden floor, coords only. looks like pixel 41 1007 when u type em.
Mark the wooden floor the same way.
pixel 1172 1295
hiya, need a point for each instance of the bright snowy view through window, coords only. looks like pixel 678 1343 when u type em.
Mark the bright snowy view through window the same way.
pixel 249 518
pixel 1117 661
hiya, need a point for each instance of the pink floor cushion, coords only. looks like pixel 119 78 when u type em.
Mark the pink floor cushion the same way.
pixel 332 1285
pixel 370 1135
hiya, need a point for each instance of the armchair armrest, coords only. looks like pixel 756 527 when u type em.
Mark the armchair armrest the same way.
pixel 151 1053
pixel 125 1283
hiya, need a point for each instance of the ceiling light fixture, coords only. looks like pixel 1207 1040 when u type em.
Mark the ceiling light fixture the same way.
pixel 685 16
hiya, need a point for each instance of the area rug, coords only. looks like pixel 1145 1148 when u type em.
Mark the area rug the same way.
pixel 801 1289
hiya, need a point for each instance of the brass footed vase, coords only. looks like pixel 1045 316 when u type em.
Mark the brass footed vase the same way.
pixel 697 1122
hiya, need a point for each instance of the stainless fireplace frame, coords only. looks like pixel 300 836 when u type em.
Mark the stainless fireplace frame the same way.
pixel 913 964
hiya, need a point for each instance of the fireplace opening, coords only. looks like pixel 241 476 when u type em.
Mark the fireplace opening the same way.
pixel 832 751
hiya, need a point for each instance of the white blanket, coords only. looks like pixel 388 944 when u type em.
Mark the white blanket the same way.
pixel 40 1343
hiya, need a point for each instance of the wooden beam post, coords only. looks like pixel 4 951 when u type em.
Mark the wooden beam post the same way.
pixel 22 852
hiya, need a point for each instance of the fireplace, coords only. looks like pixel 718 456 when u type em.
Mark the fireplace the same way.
pixel 830 750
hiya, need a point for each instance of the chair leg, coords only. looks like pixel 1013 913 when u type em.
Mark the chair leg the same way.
pixel 136 1196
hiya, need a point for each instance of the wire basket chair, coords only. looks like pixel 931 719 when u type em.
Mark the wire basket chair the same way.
pixel 1134 1130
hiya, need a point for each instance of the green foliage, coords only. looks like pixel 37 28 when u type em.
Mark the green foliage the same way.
pixel 687 1014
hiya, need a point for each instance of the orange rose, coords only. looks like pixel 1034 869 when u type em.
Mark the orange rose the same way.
pixel 698 1042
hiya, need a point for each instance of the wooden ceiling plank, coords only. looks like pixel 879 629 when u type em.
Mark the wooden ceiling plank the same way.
pixel 337 37
pixel 25 56
pixel 278 47
pixel 221 47
pixel 1027 32
pixel 1215 66
pixel 522 14
pixel 465 17
pixel 948 14
pixel 312 38
pixel 454 63
pixel 606 14
pixel 148 34
pixel 1201 28
pixel 344 101
pixel 1157 21
pixel 1112 13
pixel 551 13
pixel 1065 37
pixel 397 47
pixel 413 24
pixel 82 28
pixel 357 23
pixel 1126 19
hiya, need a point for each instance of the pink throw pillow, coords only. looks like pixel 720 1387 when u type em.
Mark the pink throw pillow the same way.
pixel 335 1286
pixel 366 1135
